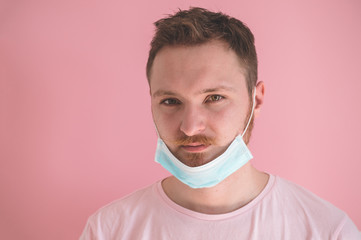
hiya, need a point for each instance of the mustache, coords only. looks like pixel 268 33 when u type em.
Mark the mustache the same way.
pixel 202 139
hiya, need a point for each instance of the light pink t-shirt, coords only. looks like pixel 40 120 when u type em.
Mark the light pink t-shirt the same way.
pixel 283 210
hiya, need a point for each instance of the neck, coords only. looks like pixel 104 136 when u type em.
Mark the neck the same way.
pixel 232 193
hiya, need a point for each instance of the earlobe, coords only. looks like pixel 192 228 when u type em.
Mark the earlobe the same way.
pixel 260 89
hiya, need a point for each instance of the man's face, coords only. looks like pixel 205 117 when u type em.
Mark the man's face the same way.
pixel 199 100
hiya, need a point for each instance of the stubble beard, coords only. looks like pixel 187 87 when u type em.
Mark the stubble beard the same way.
pixel 195 159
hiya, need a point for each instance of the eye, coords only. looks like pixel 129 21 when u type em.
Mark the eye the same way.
pixel 170 101
pixel 214 98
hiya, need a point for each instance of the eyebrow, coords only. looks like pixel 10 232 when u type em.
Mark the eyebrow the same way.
pixel 217 89
pixel 161 92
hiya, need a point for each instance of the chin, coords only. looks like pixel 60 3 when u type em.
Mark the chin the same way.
pixel 197 159
pixel 192 159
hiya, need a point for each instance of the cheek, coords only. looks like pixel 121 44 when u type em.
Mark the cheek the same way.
pixel 167 123
pixel 227 123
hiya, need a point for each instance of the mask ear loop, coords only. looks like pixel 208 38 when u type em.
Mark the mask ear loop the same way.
pixel 250 117
pixel 156 129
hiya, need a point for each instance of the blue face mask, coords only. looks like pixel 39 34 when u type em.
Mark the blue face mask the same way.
pixel 212 173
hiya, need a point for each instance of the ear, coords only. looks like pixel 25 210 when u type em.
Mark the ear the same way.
pixel 259 98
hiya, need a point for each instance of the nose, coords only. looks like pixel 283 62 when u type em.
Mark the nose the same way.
pixel 193 121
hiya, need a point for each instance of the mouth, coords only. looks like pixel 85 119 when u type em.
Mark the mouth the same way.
pixel 194 147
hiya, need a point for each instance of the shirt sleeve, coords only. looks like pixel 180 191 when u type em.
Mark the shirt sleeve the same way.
pixel 349 231
pixel 88 232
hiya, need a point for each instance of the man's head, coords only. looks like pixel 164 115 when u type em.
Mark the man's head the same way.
pixel 197 26
pixel 202 70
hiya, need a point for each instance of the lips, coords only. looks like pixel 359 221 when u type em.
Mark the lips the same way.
pixel 194 147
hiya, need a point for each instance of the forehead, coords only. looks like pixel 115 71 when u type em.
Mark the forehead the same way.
pixel 203 66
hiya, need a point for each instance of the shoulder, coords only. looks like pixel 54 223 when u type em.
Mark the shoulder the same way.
pixel 111 218
pixel 291 193
pixel 316 214
pixel 127 203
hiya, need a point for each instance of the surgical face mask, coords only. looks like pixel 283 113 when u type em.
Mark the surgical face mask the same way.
pixel 213 172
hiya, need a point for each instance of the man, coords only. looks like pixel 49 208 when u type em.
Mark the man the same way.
pixel 202 73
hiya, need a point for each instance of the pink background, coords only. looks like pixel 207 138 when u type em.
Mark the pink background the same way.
pixel 76 130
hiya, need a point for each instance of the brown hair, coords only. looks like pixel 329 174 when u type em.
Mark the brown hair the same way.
pixel 196 26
